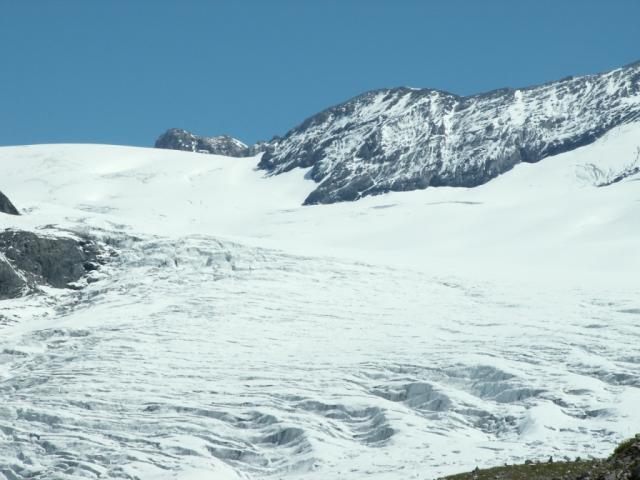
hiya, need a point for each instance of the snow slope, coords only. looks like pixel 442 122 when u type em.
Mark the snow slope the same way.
pixel 238 334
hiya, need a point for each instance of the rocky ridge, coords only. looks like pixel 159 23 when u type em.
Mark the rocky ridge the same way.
pixel 179 139
pixel 401 139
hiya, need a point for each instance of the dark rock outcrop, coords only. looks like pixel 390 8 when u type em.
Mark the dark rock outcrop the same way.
pixel 28 260
pixel 6 206
pixel 178 139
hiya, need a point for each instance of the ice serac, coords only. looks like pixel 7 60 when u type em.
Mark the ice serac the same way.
pixel 406 139
pixel 6 206
pixel 179 139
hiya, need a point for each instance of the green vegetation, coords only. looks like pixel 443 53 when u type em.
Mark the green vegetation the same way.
pixel 624 446
pixel 624 464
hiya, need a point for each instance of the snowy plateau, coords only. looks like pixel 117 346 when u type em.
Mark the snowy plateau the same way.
pixel 233 333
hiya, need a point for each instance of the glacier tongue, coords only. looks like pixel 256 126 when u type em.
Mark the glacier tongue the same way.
pixel 196 353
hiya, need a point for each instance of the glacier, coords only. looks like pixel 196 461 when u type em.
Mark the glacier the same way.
pixel 235 333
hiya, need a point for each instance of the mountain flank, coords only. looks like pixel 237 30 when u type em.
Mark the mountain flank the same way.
pixel 401 139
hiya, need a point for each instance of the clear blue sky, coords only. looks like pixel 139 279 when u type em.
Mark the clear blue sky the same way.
pixel 123 71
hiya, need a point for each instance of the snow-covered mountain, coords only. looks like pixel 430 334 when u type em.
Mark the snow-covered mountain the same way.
pixel 406 139
pixel 232 333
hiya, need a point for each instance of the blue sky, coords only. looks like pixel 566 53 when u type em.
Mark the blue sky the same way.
pixel 123 71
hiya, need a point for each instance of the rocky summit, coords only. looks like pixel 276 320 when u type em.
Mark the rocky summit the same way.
pixel 179 139
pixel 402 139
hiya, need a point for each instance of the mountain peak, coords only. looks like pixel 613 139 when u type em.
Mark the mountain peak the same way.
pixel 180 139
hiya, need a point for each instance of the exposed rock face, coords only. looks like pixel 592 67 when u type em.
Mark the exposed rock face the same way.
pixel 6 206
pixel 178 139
pixel 28 260
pixel 406 139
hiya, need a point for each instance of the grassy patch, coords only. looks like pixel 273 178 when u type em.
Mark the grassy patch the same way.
pixel 533 471
pixel 624 463
pixel 624 446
